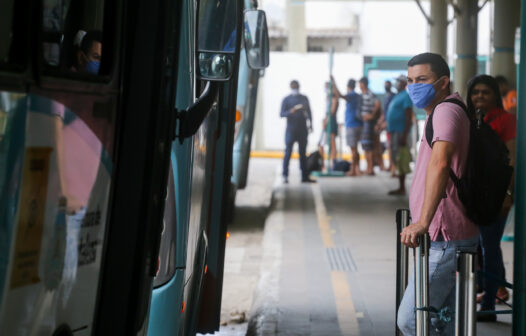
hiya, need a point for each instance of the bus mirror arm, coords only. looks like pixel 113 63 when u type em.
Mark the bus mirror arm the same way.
pixel 190 120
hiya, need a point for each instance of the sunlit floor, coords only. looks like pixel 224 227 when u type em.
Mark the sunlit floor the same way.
pixel 327 260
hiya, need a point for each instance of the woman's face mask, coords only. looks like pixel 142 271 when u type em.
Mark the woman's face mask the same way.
pixel 422 94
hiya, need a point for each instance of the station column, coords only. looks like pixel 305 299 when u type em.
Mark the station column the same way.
pixel 466 59
pixel 438 28
pixel 297 38
pixel 506 20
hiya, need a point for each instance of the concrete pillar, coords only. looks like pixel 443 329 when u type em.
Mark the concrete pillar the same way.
pixel 466 60
pixel 297 40
pixel 506 19
pixel 438 29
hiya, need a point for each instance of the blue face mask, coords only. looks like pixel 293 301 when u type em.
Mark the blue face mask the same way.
pixel 422 94
pixel 93 67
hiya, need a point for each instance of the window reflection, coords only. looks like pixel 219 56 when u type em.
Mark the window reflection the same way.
pixel 216 33
pixel 72 35
pixel 55 177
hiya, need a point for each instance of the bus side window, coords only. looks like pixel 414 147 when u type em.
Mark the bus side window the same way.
pixel 72 37
pixel 13 35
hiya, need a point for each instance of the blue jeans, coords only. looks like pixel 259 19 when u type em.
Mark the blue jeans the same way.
pixel 290 139
pixel 442 270
pixel 490 237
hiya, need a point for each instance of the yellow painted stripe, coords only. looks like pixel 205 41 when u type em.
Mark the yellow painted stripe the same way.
pixel 347 319
pixel 323 218
pixel 295 155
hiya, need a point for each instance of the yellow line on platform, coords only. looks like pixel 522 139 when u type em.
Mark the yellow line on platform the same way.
pixel 323 219
pixel 295 155
pixel 344 306
pixel 347 317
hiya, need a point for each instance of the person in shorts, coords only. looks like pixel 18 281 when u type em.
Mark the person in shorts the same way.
pixel 353 123
pixel 332 102
pixel 370 110
pixel 399 117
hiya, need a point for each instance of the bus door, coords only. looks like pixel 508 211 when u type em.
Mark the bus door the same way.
pixel 85 116
pixel 212 55
pixel 256 38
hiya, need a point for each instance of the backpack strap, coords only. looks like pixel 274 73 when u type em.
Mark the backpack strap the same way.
pixel 429 131
pixel 429 125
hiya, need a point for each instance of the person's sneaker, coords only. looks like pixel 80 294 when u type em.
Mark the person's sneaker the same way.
pixel 308 180
pixel 486 317
pixel 502 294
pixel 285 180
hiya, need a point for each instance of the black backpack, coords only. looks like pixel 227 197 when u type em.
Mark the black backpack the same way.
pixel 341 165
pixel 314 162
pixel 482 188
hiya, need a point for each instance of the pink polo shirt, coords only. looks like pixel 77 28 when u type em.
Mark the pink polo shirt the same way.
pixel 450 124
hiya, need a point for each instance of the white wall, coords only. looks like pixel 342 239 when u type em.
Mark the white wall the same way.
pixel 312 71
pixel 388 28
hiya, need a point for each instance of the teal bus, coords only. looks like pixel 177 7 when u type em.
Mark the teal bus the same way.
pixel 110 115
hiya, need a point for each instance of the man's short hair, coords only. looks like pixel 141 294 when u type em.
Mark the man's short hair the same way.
pixel 88 39
pixel 501 80
pixel 438 65
pixel 351 83
pixel 294 83
pixel 364 81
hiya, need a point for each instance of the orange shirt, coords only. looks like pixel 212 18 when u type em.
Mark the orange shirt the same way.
pixel 510 100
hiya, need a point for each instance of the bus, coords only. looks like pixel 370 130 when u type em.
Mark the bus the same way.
pixel 92 97
pixel 187 290
pixel 247 93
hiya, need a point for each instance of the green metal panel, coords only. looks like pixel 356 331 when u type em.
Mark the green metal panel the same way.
pixel 519 267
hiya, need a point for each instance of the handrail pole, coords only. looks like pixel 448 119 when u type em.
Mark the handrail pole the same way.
pixel 421 253
pixel 403 219
pixel 465 305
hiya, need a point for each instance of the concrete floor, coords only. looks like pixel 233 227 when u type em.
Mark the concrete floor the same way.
pixel 324 263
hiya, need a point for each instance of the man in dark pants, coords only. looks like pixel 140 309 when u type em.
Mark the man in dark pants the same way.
pixel 295 107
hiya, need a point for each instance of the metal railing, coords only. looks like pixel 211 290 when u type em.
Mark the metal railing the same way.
pixel 421 254
pixel 403 219
pixel 465 305
pixel 465 309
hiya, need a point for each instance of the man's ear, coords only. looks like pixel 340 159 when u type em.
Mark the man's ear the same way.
pixel 445 83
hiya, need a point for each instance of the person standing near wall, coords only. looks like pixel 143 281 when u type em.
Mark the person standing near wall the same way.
pixel 370 110
pixel 332 102
pixel 382 125
pixel 353 123
pixel 295 107
pixel 399 118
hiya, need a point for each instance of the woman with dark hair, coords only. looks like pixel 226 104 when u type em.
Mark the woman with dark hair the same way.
pixel 484 97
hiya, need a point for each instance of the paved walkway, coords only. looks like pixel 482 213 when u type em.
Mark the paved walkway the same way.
pixel 327 261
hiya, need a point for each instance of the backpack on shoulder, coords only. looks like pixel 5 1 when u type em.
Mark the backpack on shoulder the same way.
pixel 482 188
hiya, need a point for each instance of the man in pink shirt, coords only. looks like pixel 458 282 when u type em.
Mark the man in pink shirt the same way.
pixel 433 200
